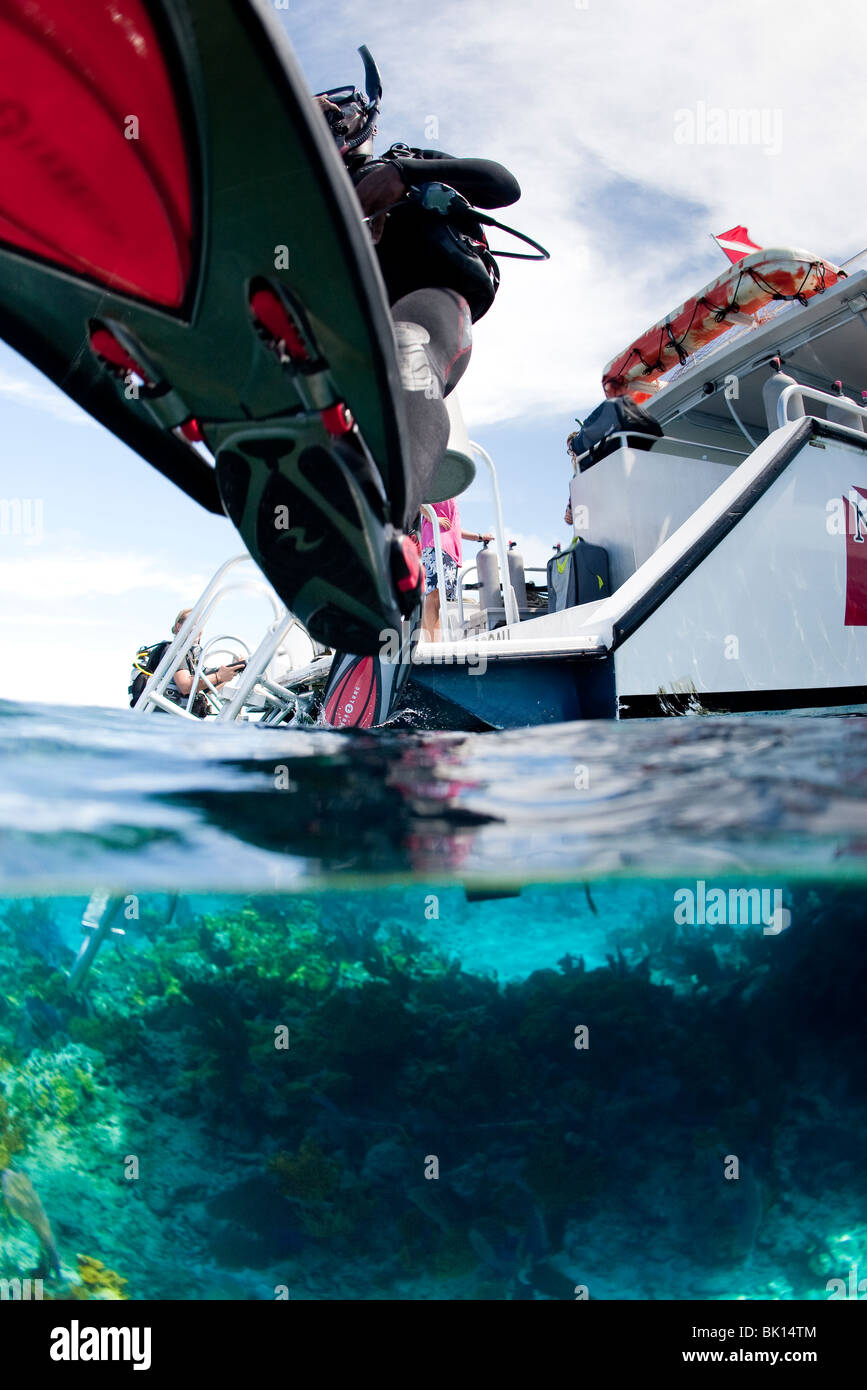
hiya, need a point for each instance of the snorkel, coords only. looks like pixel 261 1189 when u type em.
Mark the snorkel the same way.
pixel 355 105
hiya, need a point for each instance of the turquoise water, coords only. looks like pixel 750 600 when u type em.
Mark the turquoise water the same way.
pixel 325 1062
pixel 100 797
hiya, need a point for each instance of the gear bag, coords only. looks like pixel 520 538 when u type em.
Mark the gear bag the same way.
pixel 577 575
pixel 617 416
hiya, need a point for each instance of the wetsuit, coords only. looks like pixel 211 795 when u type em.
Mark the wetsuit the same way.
pixel 433 303
pixel 200 707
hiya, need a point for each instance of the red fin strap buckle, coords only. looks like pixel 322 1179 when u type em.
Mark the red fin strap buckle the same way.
pixel 113 353
pixel 337 419
pixel 192 430
pixel 274 317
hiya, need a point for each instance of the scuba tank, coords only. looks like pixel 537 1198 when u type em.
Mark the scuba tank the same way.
pixel 516 575
pixel 773 389
pixel 147 659
pixel 489 578
pixel 843 417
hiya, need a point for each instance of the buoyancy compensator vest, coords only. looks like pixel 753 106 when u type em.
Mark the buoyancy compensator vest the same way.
pixel 146 661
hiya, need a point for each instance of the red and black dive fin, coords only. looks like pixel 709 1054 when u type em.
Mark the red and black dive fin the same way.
pixel 364 691
pixel 142 142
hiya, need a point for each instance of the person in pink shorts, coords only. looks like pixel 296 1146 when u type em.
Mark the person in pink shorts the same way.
pixel 449 519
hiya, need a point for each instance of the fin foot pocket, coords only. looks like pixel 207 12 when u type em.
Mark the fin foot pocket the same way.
pixel 315 522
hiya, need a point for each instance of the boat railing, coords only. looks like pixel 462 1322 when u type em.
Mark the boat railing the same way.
pixel 253 694
pixel 623 435
pixel 216 646
pixel 790 406
pixel 694 448
pixel 446 608
pixel 258 695
pixel 462 579
pixel 856 262
pixel 510 602
pixel 686 448
pixel 452 616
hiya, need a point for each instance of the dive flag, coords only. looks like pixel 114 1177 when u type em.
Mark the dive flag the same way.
pixel 736 244
pixel 856 558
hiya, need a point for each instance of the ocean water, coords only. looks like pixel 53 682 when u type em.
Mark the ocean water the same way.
pixel 94 798
pixel 575 1012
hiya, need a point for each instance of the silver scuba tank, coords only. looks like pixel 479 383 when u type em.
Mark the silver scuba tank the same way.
pixel 773 389
pixel 489 578
pixel 517 578
pixel 843 416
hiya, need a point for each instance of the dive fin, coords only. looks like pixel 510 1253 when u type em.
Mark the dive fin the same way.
pixel 364 691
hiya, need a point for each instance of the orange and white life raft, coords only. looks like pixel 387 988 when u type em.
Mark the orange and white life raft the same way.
pixel 746 287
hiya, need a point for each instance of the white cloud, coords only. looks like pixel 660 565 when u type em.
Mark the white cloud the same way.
pixel 42 395
pixel 70 621
pixel 582 104
pixel 33 576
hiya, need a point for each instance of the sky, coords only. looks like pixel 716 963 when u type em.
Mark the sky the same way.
pixel 635 130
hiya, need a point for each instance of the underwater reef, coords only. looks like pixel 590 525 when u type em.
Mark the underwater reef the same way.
pixel 302 1097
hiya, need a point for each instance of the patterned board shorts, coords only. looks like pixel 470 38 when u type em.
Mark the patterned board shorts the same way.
pixel 450 569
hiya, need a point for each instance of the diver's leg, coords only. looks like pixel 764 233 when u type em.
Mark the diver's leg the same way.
pixel 433 329
pixel 431 615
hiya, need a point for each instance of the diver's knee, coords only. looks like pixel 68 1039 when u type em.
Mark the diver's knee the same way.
pixel 414 360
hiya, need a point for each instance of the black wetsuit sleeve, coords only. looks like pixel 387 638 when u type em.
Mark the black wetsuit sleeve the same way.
pixel 483 182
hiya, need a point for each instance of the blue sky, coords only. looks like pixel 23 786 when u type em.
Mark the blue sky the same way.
pixel 583 101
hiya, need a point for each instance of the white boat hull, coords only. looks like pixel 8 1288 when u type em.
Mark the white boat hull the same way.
pixel 743 607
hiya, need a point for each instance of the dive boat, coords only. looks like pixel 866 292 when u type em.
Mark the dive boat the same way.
pixel 732 523
pixel 734 533
pixel 718 561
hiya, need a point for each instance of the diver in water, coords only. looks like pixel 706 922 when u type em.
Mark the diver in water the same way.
pixel 439 274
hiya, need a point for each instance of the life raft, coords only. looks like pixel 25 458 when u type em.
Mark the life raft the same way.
pixel 746 287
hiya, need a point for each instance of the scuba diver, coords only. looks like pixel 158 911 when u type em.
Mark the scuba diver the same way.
pixel 147 659
pixel 140 280
pixel 439 274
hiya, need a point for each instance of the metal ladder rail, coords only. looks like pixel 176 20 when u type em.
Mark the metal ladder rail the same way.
pixel 152 696
pixel 798 393
pixel 256 666
pixel 510 602
pixel 99 918
pixel 467 569
pixel 211 693
pixel 98 923
pixel 445 606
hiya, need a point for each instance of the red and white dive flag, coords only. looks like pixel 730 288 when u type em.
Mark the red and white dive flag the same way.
pixel 736 244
